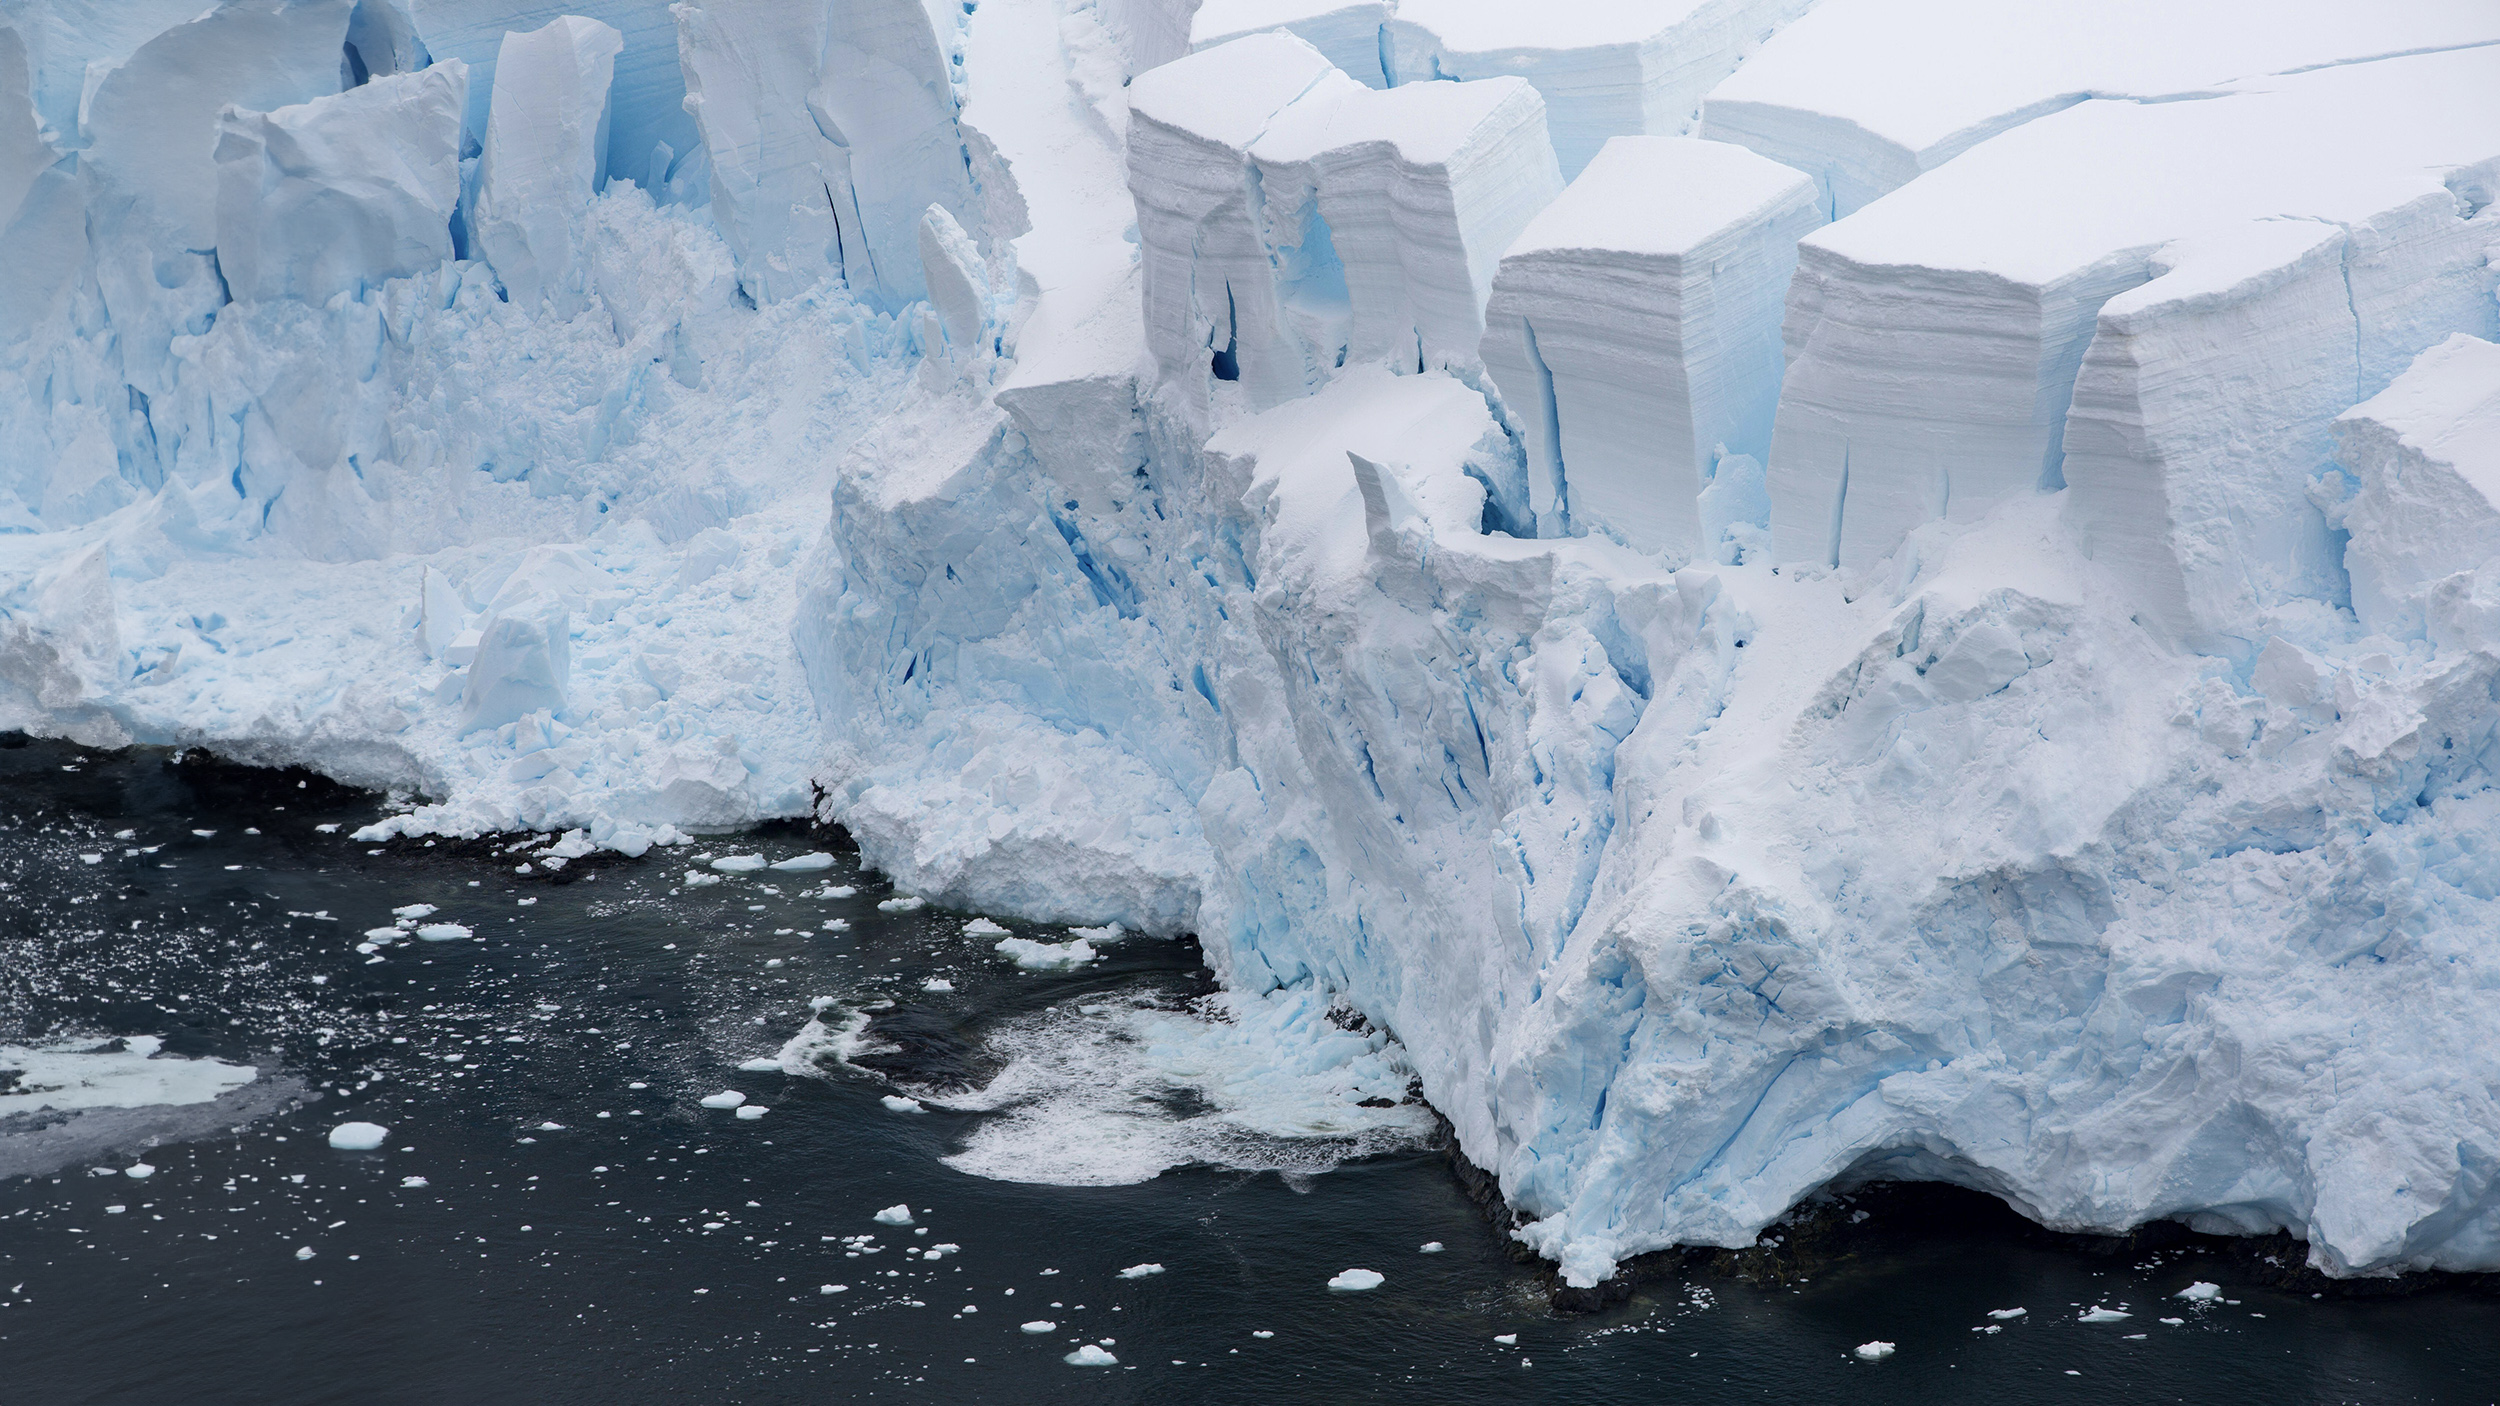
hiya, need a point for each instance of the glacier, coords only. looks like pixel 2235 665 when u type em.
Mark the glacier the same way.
pixel 1785 595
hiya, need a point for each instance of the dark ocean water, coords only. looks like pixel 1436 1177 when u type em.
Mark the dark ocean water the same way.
pixel 649 1249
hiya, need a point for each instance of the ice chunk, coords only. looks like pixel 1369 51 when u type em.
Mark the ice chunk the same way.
pixel 646 100
pixel 727 1098
pixel 897 1214
pixel 899 1104
pixel 2426 452
pixel 1041 1325
pixel 804 863
pixel 739 863
pixel 1090 1356
pixel 25 153
pixel 139 1170
pixel 2200 1292
pixel 546 138
pixel 1634 332
pixel 1866 94
pixel 1430 1247
pixel 1874 1351
pixel 937 984
pixel 444 932
pixel 413 1183
pixel 1607 68
pixel 1405 200
pixel 523 664
pixel 1357 1280
pixel 358 1137
pixel 762 1065
pixel 831 132
pixel 2007 1314
pixel 752 1111
pixel 983 927
pixel 411 912
pixel 1046 956
pixel 1140 1271
pixel 2211 223
pixel 2098 1314
pixel 908 903
pixel 341 193
pixel 833 1288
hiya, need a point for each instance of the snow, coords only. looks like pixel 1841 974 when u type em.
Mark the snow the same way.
pixel 358 1137
pixel 1865 95
pixel 1633 332
pixel 1355 1281
pixel 2108 829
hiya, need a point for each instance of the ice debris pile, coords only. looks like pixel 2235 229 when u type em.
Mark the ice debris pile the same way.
pixel 1785 593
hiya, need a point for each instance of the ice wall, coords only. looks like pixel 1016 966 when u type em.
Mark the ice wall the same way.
pixel 1863 95
pixel 1348 35
pixel 647 102
pixel 545 139
pixel 1634 333
pixel 1992 272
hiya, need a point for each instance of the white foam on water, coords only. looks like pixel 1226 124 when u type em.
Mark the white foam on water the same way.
pixel 62 1075
pixel 1253 1083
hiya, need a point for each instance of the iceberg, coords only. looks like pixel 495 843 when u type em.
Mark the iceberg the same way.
pixel 1994 687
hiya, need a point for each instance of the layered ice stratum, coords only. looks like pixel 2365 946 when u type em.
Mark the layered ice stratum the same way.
pixel 1786 593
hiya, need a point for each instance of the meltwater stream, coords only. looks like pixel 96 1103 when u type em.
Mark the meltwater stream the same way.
pixel 201 975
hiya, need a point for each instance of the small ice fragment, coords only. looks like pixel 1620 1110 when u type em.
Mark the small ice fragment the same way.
pixel 805 863
pixel 1355 1281
pixel 382 934
pixel 696 878
pixel 739 863
pixel 753 1110
pixel 304 1253
pixel 1041 1325
pixel 638 1085
pixel 203 834
pixel 1430 1247
pixel 414 911
pixel 762 1064
pixel 897 1214
pixel 2007 1313
pixel 899 1104
pixel 1262 1333
pixel 2098 1314
pixel 902 905
pixel 2200 1292
pixel 938 984
pixel 2175 1322
pixel 412 1183
pixel 983 927
pixel 1046 956
pixel 1140 1271
pixel 1507 1339
pixel 833 1288
pixel 551 1127
pixel 726 1098
pixel 91 859
pixel 443 932
pixel 1874 1351
pixel 772 962
pixel 330 828
pixel 358 1137
pixel 1090 1356
pixel 837 925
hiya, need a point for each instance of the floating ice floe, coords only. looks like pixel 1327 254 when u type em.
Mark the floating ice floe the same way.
pixel 726 1098
pixel 444 932
pixel 1507 1339
pixel 904 904
pixel 358 1137
pixel 1356 1281
pixel 1041 1325
pixel 2007 1313
pixel 304 1253
pixel 413 912
pixel 2200 1292
pixel 833 1288
pixel 696 878
pixel 983 927
pixel 551 1127
pixel 1430 1247
pixel 2098 1314
pixel 900 1104
pixel 738 863
pixel 413 1183
pixel 897 1214
pixel 761 1064
pixel 937 984
pixel 1035 956
pixel 1090 1356
pixel 140 1170
pixel 752 1111
pixel 804 863
pixel 1140 1271
pixel 1875 1351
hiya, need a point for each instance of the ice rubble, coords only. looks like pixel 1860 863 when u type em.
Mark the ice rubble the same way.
pixel 1119 484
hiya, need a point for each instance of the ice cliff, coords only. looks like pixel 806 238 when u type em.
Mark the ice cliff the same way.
pixel 1898 589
